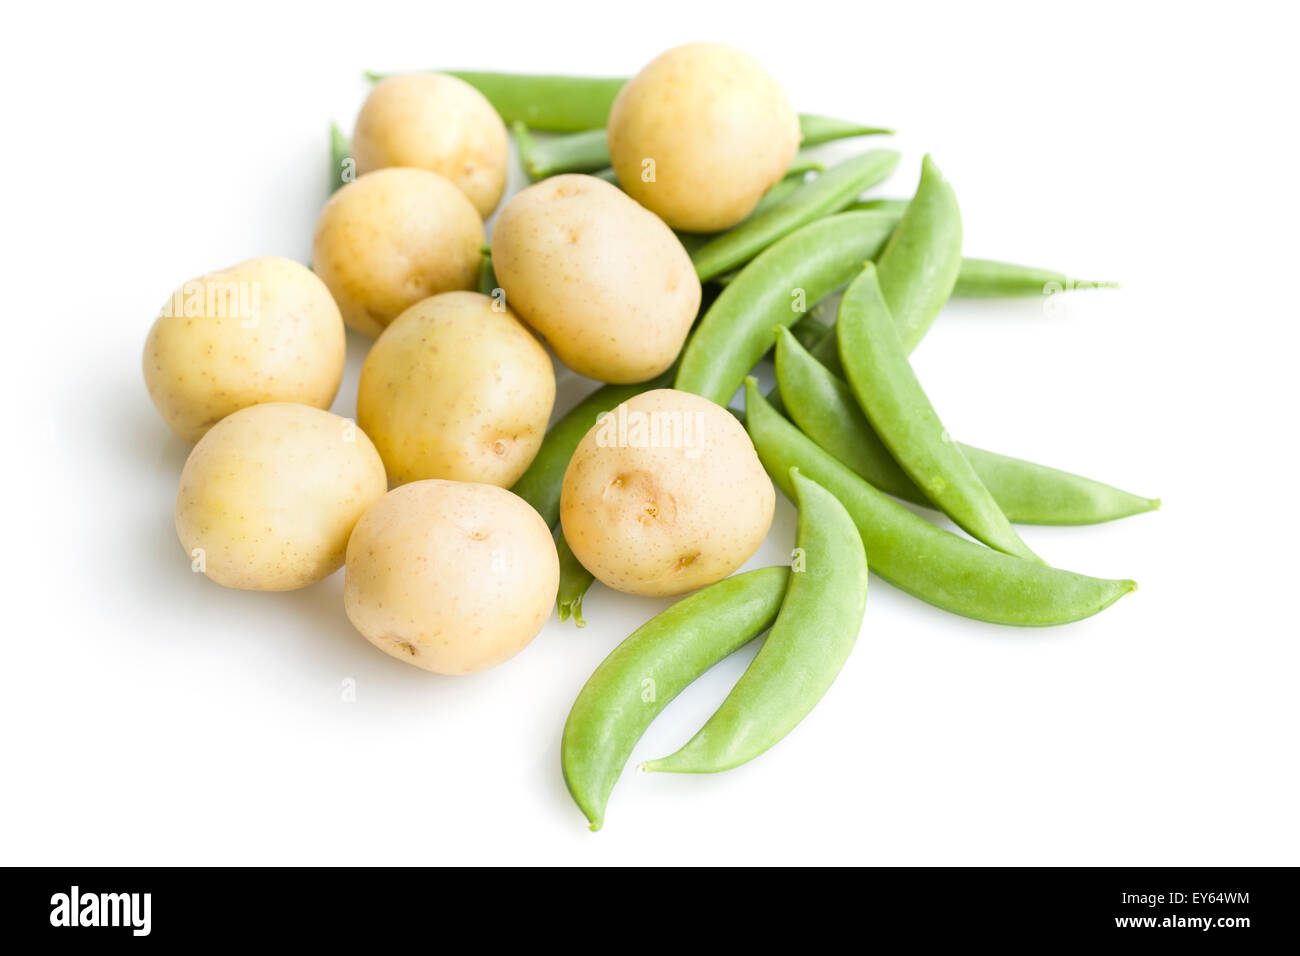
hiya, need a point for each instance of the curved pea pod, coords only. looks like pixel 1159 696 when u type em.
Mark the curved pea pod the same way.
pixel 920 263
pixel 889 393
pixel 920 558
pixel 825 410
pixel 781 284
pixel 816 129
pixel 824 195
pixel 814 632
pixel 651 667
pixel 988 279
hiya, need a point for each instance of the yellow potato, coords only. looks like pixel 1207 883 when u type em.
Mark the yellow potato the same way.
pixel 437 122
pixel 605 281
pixel 456 389
pixel 265 330
pixel 269 496
pixel 392 238
pixel 700 134
pixel 665 494
pixel 451 576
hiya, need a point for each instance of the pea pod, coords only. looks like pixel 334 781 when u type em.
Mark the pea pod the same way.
pixel 888 392
pixel 825 194
pixel 937 566
pixel 776 288
pixel 987 278
pixel 920 263
pixel 575 580
pixel 825 410
pixel 554 102
pixel 487 277
pixel 340 156
pixel 577 153
pixel 651 667
pixel 540 484
pixel 814 632
pixel 816 129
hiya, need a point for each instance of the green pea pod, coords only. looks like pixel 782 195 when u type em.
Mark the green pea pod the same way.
pixel 487 277
pixel 776 288
pixel 920 263
pixel 889 393
pixel 574 582
pixel 340 158
pixel 879 205
pixel 814 632
pixel 937 566
pixel 577 153
pixel 540 484
pixel 825 410
pixel 546 101
pixel 816 129
pixel 823 195
pixel 986 278
pixel 651 667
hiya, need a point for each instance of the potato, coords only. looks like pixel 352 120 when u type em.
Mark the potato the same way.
pixel 392 238
pixel 269 496
pixel 437 122
pixel 665 494
pixel 700 134
pixel 605 281
pixel 451 576
pixel 265 330
pixel 456 389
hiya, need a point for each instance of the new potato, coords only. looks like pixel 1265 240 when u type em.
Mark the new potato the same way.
pixel 665 494
pixel 436 122
pixel 450 576
pixel 269 495
pixel 700 134
pixel 606 282
pixel 265 330
pixel 392 238
pixel 456 389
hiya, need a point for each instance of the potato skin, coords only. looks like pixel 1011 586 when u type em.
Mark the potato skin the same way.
pixel 265 330
pixel 665 516
pixel 454 389
pixel 452 577
pixel 270 495
pixel 718 127
pixel 392 238
pixel 436 122
pixel 604 281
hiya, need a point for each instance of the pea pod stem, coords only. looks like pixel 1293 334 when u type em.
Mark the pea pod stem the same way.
pixel 890 394
pixel 987 278
pixel 823 407
pixel 781 284
pixel 924 560
pixel 824 195
pixel 814 632
pixel 651 667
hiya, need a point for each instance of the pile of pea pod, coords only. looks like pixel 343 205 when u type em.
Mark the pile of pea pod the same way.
pixel 848 430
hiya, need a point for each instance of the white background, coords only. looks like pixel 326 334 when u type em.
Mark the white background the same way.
pixel 149 716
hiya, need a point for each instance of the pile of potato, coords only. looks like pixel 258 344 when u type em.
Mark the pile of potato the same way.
pixel 449 570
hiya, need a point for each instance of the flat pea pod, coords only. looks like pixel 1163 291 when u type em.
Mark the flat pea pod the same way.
pixel 814 632
pixel 776 288
pixel 826 194
pixel 651 667
pixel 988 278
pixel 558 103
pixel 937 566
pixel 540 484
pixel 879 205
pixel 577 153
pixel 575 580
pixel 340 158
pixel 816 129
pixel 823 407
pixel 889 393
pixel 920 263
